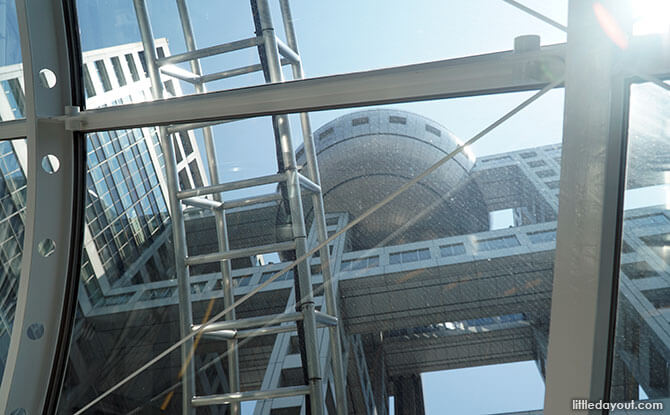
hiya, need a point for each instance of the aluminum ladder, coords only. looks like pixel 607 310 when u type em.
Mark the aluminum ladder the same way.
pixel 273 54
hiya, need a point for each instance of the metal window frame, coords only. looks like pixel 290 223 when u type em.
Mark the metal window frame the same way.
pixel 582 308
pixel 47 289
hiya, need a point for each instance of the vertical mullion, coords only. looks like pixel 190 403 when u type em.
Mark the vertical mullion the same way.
pixel 588 218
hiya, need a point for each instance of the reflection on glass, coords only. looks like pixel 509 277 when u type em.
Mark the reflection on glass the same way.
pixel 444 286
pixel 359 36
pixel 12 216
pixel 642 342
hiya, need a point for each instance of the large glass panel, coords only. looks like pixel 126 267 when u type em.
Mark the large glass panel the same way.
pixel 642 343
pixel 429 283
pixel 334 37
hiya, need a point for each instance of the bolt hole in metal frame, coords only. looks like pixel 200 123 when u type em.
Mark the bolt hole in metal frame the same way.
pixel 17 129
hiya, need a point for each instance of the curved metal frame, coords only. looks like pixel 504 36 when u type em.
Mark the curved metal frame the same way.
pixel 47 287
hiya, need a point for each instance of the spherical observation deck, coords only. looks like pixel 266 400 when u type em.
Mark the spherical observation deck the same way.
pixel 366 155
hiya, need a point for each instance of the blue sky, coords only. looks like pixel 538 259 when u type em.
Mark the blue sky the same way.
pixel 348 35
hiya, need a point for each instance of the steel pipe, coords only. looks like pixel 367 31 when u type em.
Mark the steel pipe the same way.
pixel 226 187
pixel 308 184
pixel 287 52
pixel 245 323
pixel 240 253
pixel 250 396
pixel 471 76
pixel 253 200
pixel 196 54
pixel 329 284
pixel 202 202
pixel 178 228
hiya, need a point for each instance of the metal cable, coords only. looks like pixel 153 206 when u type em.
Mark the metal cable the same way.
pixel 537 15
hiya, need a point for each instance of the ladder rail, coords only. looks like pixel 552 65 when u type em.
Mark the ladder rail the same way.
pixel 312 167
pixel 178 228
pixel 274 54
pixel 219 214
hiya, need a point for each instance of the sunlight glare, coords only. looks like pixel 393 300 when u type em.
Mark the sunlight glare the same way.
pixel 650 16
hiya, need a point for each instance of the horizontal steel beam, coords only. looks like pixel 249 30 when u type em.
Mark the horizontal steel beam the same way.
pixel 11 130
pixel 194 126
pixel 244 323
pixel 477 75
pixel 249 396
pixel 239 253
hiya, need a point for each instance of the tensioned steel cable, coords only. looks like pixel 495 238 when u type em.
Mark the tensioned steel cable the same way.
pixel 536 14
pixel 351 224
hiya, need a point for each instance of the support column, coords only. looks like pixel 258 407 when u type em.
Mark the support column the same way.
pixel 590 206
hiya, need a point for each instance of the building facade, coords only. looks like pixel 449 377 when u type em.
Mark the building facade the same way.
pixel 413 298
pixel 126 235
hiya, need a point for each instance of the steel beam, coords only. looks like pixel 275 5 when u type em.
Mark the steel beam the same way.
pixel 477 75
pixel 10 130
pixel 589 216
pixel 50 248
pixel 176 214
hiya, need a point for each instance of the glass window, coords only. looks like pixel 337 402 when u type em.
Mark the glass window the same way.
pixel 452 250
pixel 130 60
pixel 642 347
pixel 118 71
pixel 104 76
pixel 88 84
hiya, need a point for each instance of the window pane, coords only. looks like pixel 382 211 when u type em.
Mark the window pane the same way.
pixel 642 346
pixel 12 216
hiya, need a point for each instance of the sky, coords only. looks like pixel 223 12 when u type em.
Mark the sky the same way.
pixel 347 36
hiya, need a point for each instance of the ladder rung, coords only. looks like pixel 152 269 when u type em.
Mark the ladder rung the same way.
pixel 239 253
pixel 179 73
pixel 287 52
pixel 244 323
pixel 264 331
pixel 254 200
pixel 210 51
pixel 237 71
pixel 194 126
pixel 308 184
pixel 220 335
pixel 325 319
pixel 249 396
pixel 202 202
pixel 236 185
